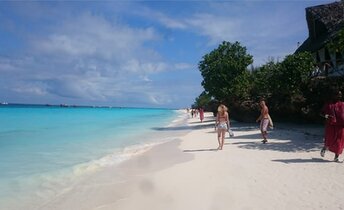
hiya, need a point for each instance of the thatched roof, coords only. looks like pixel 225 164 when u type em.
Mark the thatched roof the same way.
pixel 324 22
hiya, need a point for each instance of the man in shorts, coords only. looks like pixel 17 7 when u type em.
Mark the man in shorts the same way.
pixel 264 120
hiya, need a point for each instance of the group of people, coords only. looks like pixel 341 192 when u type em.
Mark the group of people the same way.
pixel 333 112
pixel 196 112
pixel 222 124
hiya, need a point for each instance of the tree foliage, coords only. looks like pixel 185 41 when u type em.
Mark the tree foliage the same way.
pixel 337 44
pixel 222 69
pixel 287 86
pixel 202 100
pixel 291 78
pixel 264 80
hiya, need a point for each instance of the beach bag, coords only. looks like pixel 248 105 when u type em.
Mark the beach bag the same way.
pixel 271 124
pixel 339 114
pixel 231 133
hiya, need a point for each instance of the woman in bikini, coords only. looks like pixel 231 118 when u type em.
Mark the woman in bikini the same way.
pixel 222 124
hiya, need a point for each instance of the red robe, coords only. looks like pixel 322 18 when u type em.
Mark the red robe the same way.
pixel 334 133
pixel 201 114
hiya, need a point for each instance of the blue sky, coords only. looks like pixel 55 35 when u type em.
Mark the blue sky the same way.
pixel 133 53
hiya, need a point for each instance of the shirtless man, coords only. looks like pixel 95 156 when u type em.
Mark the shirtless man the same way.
pixel 264 120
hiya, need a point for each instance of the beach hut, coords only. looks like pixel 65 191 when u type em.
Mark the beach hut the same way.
pixel 325 23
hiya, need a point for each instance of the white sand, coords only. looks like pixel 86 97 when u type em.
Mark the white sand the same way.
pixel 287 173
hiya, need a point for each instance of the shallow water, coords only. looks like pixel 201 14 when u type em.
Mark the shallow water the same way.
pixel 45 147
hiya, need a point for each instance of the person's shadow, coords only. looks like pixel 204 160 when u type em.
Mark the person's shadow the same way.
pixel 200 150
pixel 299 160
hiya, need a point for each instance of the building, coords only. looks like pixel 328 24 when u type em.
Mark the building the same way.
pixel 325 23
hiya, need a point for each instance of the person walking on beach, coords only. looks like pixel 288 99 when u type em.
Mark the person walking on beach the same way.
pixel 222 124
pixel 264 120
pixel 333 112
pixel 201 114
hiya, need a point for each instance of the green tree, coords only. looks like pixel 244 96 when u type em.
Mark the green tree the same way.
pixel 295 72
pixel 290 84
pixel 241 86
pixel 287 85
pixel 222 68
pixel 202 100
pixel 264 80
pixel 337 44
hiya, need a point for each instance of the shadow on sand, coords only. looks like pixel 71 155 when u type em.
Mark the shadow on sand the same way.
pixel 298 160
pixel 292 145
pixel 285 138
pixel 200 150
pixel 178 128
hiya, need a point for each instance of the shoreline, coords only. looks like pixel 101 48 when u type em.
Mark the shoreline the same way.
pixel 112 177
pixel 32 190
pixel 189 173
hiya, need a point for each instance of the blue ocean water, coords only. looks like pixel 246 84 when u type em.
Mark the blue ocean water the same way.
pixel 37 142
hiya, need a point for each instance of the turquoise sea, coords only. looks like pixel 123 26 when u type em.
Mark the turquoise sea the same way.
pixel 42 147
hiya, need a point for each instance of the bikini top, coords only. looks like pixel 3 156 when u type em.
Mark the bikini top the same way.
pixel 222 118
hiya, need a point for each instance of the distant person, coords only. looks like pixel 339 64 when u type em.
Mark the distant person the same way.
pixel 222 124
pixel 196 112
pixel 201 114
pixel 264 119
pixel 333 112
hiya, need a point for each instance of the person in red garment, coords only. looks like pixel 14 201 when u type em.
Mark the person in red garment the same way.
pixel 201 114
pixel 333 112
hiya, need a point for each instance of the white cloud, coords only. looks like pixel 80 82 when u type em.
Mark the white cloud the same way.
pixel 270 29
pixel 89 58
pixel 90 35
pixel 162 18
pixel 159 99
pixel 6 66
pixel 119 56
pixel 27 88
pixel 136 66
pixel 171 23
pixel 183 66
pixel 217 28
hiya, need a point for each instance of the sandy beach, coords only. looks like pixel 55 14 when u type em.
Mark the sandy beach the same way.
pixel 189 173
